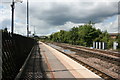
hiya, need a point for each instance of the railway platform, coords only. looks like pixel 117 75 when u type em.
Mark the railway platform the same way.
pixel 60 66
pixel 46 63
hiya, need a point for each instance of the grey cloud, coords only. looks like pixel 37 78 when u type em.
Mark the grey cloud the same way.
pixel 59 14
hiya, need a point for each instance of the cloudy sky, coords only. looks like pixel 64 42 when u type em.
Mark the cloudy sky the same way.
pixel 48 16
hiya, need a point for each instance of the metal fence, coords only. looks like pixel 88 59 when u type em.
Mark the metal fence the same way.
pixel 15 49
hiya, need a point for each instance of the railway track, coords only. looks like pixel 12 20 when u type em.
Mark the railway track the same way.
pixel 101 51
pixel 93 69
pixel 103 54
pixel 116 54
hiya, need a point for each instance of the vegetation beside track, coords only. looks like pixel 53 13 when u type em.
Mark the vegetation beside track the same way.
pixel 83 35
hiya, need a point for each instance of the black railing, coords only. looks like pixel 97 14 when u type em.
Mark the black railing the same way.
pixel 15 49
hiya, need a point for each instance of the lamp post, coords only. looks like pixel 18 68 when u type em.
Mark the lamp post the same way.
pixel 27 19
pixel 13 7
pixel 12 23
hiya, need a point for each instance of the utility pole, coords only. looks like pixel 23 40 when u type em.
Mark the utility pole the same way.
pixel 27 19
pixel 12 23
pixel 34 30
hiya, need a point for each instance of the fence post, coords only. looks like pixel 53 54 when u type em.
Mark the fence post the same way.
pixel 93 44
pixel 99 45
pixel 96 45
pixel 115 44
pixel 103 45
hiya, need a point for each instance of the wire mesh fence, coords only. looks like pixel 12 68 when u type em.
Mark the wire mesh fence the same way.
pixel 15 49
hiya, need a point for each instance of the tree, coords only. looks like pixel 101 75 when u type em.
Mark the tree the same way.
pixel 83 35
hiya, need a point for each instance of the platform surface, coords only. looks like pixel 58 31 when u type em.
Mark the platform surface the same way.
pixel 59 65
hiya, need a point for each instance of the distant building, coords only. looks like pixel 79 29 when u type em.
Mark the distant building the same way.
pixel 43 37
pixel 114 35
